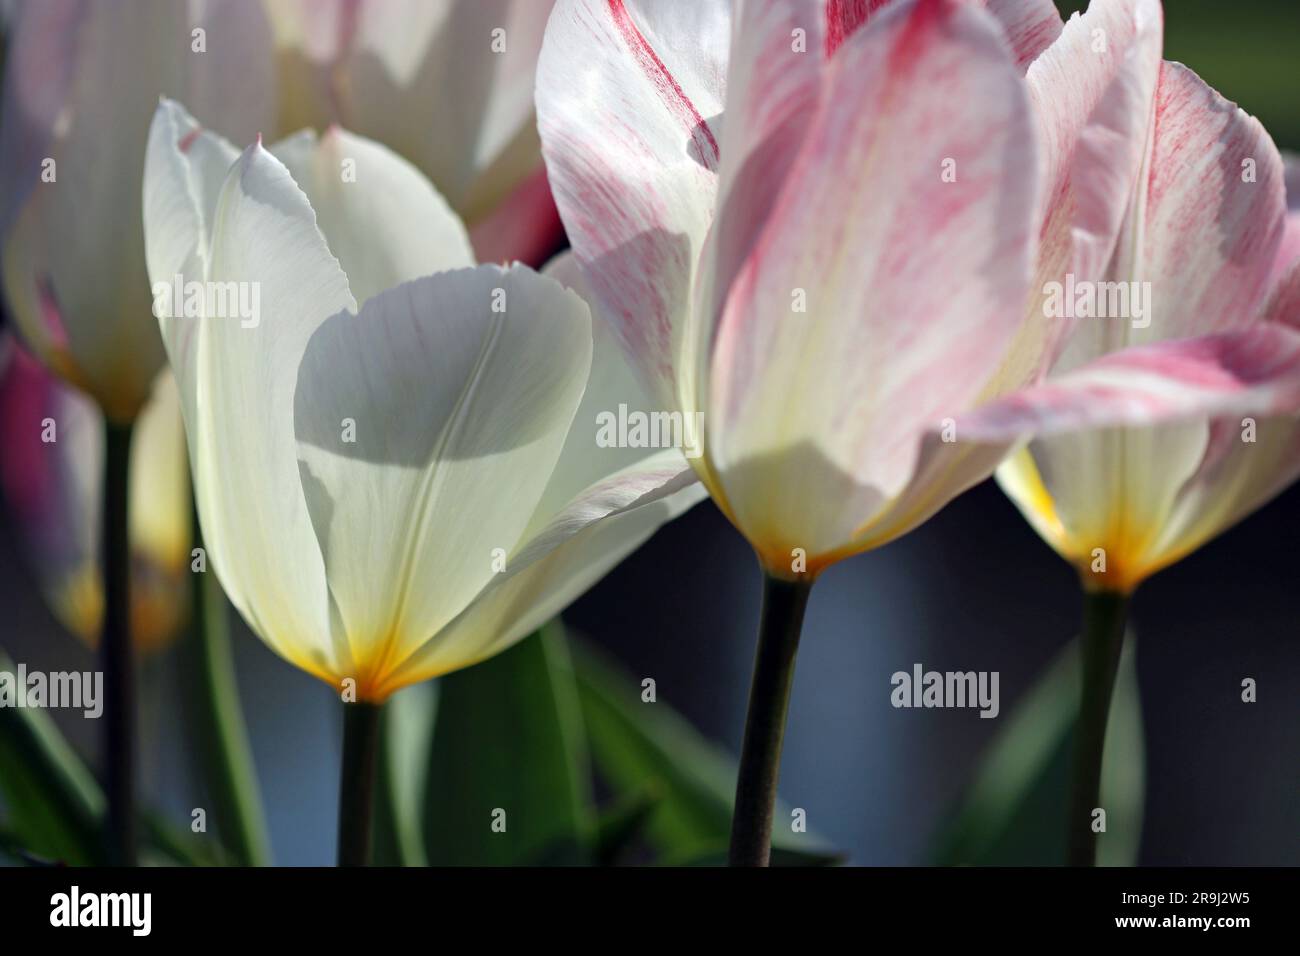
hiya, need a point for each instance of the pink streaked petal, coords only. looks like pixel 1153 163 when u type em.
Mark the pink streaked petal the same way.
pixel 1202 228
pixel 905 276
pixel 774 93
pixel 619 90
pixel 525 227
pixel 1030 26
pixel 1198 192
pixel 844 17
pixel 1072 76
pixel 1107 164
pixel 1249 371
pixel 670 90
pixel 1284 303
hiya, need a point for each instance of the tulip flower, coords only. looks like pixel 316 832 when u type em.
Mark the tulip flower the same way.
pixel 51 475
pixel 81 81
pixel 1185 206
pixel 389 473
pixel 446 84
pixel 818 228
pixel 73 142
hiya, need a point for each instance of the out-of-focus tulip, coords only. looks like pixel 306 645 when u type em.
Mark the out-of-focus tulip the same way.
pixel 82 81
pixel 53 440
pixel 1180 200
pixel 448 85
pixel 390 477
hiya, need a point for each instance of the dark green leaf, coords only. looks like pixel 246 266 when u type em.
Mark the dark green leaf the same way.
pixel 1013 813
pixel 405 736
pixel 229 776
pixel 53 803
pixel 55 808
pixel 166 844
pixel 639 746
pixel 621 826
pixel 510 748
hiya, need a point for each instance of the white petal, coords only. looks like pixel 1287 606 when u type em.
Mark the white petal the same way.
pixel 587 458
pixel 238 386
pixel 576 549
pixel 383 220
pixel 461 388
pixel 447 85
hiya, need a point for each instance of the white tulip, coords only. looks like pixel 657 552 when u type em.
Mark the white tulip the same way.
pixel 390 476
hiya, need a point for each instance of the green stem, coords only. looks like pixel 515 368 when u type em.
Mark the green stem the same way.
pixel 1105 615
pixel 230 774
pixel 357 781
pixel 779 626
pixel 115 648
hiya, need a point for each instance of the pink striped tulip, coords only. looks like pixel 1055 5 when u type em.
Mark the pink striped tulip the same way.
pixel 824 228
pixel 1172 186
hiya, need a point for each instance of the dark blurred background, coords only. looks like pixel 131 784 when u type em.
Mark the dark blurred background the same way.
pixel 974 589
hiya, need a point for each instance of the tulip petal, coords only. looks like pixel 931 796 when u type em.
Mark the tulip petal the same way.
pixel 427 427
pixel 1144 455
pixel 1109 44
pixel 1030 25
pixel 237 380
pixel 774 85
pixel 592 451
pixel 383 220
pixel 465 69
pixel 84 231
pixel 1092 91
pixel 1201 230
pixel 581 544
pixel 186 167
pixel 51 473
pixel 628 94
pixel 525 227
pixel 1255 370
pixel 1241 478
pixel 875 300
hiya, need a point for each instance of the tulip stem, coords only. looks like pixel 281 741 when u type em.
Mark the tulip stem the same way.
pixel 230 774
pixel 357 781
pixel 115 648
pixel 780 623
pixel 1104 615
